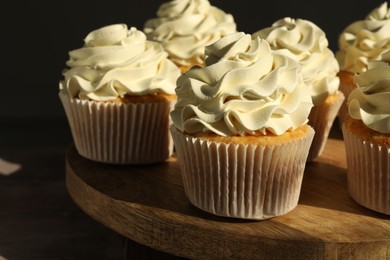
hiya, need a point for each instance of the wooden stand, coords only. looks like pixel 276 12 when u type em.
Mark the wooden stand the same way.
pixel 147 204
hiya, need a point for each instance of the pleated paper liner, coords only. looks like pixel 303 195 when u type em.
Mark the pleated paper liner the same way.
pixel 368 172
pixel 120 133
pixel 241 180
pixel 321 118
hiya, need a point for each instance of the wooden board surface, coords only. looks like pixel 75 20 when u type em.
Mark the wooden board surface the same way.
pixel 148 205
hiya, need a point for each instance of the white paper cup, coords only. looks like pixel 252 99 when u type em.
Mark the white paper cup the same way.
pixel 240 180
pixel 120 133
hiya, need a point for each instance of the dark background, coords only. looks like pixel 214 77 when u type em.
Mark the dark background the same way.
pixel 36 39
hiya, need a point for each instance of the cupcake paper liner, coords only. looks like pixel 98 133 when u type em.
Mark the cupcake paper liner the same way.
pixel 240 180
pixel 368 172
pixel 321 118
pixel 120 133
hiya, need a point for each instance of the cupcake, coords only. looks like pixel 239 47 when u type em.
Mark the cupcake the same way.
pixel 366 132
pixel 185 27
pixel 305 42
pixel 240 130
pixel 117 92
pixel 360 42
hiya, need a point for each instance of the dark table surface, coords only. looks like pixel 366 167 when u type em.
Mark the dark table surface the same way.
pixel 38 218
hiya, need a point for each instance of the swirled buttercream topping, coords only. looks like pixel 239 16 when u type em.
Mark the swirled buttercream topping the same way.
pixel 185 27
pixel 116 61
pixel 370 100
pixel 307 43
pixel 244 89
pixel 365 40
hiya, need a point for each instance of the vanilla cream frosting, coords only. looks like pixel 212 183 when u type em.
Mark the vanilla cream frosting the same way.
pixel 370 100
pixel 116 61
pixel 364 40
pixel 185 27
pixel 304 41
pixel 244 89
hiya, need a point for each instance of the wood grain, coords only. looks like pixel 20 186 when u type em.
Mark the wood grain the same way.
pixel 148 205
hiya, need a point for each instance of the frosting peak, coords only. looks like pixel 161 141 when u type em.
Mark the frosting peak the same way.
pixel 179 8
pixel 365 40
pixel 379 13
pixel 244 89
pixel 370 100
pixel 185 27
pixel 305 42
pixel 116 61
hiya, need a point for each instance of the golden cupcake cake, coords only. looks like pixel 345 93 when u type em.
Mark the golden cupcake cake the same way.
pixel 185 27
pixel 240 130
pixel 359 43
pixel 117 92
pixel 366 132
pixel 305 42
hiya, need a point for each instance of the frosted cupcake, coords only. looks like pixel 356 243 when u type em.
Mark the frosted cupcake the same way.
pixel 117 92
pixel 185 27
pixel 367 137
pixel 305 42
pixel 360 42
pixel 240 130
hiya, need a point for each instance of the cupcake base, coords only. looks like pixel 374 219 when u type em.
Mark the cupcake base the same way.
pixel 321 118
pixel 184 68
pixel 346 86
pixel 243 179
pixel 120 132
pixel 368 161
